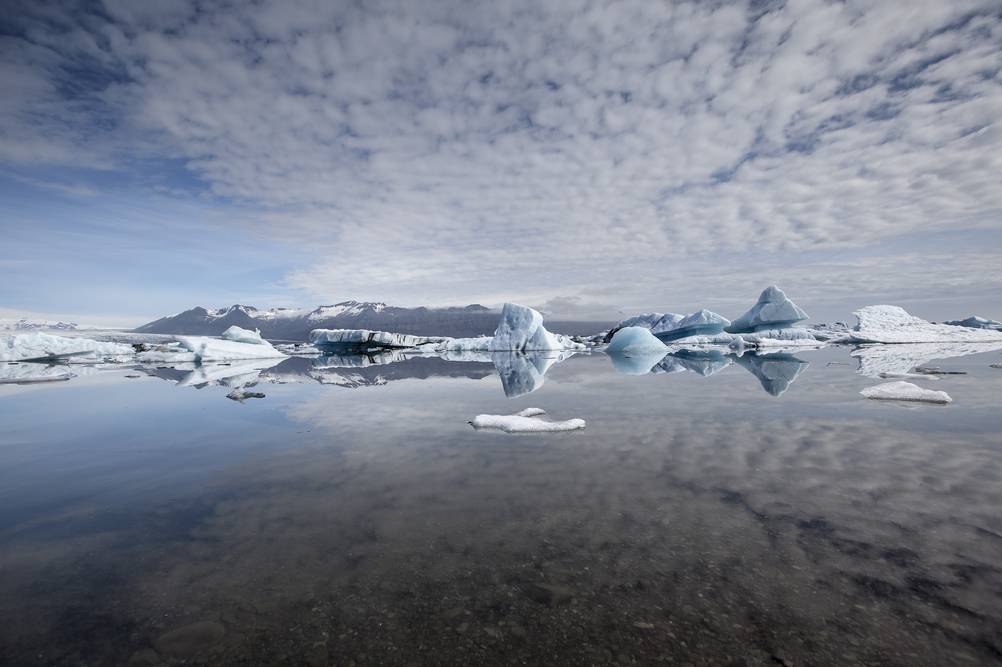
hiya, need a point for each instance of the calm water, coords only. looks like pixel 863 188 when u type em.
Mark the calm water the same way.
pixel 764 513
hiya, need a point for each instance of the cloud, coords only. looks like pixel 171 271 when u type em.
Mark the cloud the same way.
pixel 448 152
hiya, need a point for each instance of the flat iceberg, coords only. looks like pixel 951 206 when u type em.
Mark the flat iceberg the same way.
pixel 773 310
pixel 238 335
pixel 16 347
pixel 364 339
pixel 891 324
pixel 975 322
pixel 703 322
pixel 525 421
pixel 905 391
pixel 214 349
pixel 792 336
pixel 521 330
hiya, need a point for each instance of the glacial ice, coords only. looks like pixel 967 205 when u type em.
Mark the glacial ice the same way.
pixel 364 339
pixel 891 324
pixel 635 341
pixel 647 320
pixel 975 322
pixel 521 330
pixel 905 391
pixel 214 349
pixel 525 421
pixel 14 347
pixel 703 322
pixel 773 310
pixel 239 335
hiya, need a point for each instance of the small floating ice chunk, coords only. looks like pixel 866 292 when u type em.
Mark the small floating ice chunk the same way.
pixel 525 421
pixel 905 391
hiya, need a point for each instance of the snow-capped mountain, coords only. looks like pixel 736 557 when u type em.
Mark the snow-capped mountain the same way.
pixel 25 324
pixel 296 324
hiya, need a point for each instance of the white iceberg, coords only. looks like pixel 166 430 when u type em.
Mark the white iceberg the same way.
pixel 905 391
pixel 773 310
pixel 521 330
pixel 214 349
pixel 15 347
pixel 459 345
pixel 647 320
pixel 891 324
pixel 238 335
pixel 525 421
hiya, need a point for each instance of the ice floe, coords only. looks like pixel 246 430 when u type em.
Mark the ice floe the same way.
pixel 15 347
pixel 905 391
pixel 526 421
pixel 891 324
pixel 773 310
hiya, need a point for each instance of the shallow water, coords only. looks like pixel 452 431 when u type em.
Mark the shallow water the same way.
pixel 696 519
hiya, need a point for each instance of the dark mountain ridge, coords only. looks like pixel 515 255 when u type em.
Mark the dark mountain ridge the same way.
pixel 295 324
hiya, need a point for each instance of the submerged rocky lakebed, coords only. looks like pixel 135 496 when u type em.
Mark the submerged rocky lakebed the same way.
pixel 717 509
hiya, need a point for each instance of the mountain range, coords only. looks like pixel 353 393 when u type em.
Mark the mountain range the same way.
pixel 295 324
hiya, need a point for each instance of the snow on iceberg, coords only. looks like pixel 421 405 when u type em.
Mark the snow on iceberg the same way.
pixel 521 330
pixel 239 335
pixel 703 322
pixel 525 421
pixel 905 391
pixel 891 324
pixel 15 347
pixel 214 349
pixel 975 322
pixel 773 310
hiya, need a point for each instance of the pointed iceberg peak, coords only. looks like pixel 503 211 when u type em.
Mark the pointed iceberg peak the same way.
pixel 773 310
pixel 521 330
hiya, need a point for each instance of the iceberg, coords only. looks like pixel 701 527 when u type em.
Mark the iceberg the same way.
pixel 525 421
pixel 364 339
pixel 775 372
pixel 636 341
pixel 891 324
pixel 214 349
pixel 905 391
pixel 238 335
pixel 41 346
pixel 521 330
pixel 773 310
pixel 646 320
pixel 703 322
pixel 975 322
pixel 793 336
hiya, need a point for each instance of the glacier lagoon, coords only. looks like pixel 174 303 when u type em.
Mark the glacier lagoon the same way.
pixel 718 508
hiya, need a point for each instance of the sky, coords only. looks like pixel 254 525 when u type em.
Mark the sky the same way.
pixel 594 159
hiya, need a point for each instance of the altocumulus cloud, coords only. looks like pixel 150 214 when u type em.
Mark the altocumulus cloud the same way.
pixel 442 151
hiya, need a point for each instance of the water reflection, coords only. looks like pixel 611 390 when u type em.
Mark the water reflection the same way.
pixel 776 371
